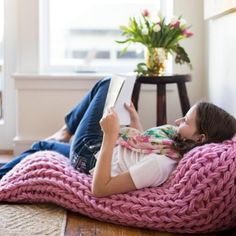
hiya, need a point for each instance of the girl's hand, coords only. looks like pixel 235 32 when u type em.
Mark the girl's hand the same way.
pixel 103 184
pixel 110 124
pixel 132 111
pixel 134 117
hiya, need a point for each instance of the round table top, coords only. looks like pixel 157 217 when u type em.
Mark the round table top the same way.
pixel 165 79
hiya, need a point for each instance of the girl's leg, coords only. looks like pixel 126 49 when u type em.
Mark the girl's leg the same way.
pixel 74 117
pixel 88 135
pixel 62 148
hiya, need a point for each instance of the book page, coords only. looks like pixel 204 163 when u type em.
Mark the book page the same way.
pixel 113 92
pixel 119 93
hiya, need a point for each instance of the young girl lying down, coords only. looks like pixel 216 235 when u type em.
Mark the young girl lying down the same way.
pixel 125 159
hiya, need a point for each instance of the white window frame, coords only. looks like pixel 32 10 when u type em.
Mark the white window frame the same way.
pixel 44 64
pixel 2 59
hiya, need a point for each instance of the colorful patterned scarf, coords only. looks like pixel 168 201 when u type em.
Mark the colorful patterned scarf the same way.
pixel 157 140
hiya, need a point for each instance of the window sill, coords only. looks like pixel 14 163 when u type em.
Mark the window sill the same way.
pixel 66 81
pixel 56 81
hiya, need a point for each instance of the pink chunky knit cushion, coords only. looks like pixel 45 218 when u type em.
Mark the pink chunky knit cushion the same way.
pixel 200 195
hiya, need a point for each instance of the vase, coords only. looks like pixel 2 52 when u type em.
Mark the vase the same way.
pixel 156 59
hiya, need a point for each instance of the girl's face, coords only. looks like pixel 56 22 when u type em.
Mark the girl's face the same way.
pixel 187 128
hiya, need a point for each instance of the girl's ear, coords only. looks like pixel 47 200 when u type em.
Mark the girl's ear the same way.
pixel 201 138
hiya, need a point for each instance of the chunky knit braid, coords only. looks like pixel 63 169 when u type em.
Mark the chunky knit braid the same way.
pixel 200 195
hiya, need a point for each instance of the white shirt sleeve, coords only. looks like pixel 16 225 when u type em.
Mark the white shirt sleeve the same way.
pixel 152 170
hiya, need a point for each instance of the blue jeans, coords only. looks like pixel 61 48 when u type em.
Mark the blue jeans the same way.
pixel 83 123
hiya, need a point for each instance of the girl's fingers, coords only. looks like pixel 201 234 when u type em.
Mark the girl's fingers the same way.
pixel 127 106
pixel 131 104
pixel 111 109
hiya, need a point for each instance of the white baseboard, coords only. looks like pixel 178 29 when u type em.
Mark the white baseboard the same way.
pixel 21 145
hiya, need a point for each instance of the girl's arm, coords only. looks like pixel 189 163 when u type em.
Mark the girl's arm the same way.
pixel 134 117
pixel 103 183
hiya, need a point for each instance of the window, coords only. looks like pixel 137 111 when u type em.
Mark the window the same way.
pixel 80 35
pixel 1 52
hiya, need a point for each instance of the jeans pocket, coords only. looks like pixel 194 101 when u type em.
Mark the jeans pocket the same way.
pixel 84 159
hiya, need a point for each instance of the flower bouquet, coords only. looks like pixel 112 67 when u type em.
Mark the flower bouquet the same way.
pixel 160 38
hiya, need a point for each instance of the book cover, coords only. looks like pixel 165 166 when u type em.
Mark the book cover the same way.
pixel 120 92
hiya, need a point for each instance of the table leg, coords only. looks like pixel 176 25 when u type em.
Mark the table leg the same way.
pixel 161 104
pixel 135 94
pixel 183 96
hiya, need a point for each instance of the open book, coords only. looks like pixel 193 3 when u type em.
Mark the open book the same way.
pixel 119 93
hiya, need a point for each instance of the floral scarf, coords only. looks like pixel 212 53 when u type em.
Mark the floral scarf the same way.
pixel 157 140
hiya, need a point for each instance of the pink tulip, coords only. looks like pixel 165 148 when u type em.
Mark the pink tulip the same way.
pixel 187 33
pixel 146 13
pixel 175 24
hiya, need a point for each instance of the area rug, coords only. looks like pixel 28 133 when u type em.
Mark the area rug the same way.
pixel 32 219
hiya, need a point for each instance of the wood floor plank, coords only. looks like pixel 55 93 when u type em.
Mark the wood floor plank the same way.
pixel 5 157
pixel 6 152
pixel 79 225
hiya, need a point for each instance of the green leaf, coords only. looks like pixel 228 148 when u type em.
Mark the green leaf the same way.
pixel 123 51
pixel 181 56
pixel 124 41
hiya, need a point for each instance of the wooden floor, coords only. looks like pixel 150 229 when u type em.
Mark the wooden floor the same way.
pixel 5 156
pixel 79 225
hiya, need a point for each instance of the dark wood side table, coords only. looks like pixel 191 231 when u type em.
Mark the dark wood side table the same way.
pixel 161 82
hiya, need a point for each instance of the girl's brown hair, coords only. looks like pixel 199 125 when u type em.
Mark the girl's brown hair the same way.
pixel 215 123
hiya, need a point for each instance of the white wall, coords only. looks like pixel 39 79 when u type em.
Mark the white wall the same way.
pixel 8 126
pixel 192 11
pixel 20 55
pixel 222 70
pixel 24 39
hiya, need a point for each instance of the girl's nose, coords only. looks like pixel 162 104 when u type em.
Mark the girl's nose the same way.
pixel 178 121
